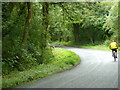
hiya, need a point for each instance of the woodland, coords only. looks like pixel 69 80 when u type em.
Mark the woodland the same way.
pixel 29 27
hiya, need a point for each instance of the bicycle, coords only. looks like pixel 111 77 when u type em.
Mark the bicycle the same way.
pixel 114 55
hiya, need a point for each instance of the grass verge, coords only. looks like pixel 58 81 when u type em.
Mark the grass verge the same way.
pixel 63 60
pixel 87 46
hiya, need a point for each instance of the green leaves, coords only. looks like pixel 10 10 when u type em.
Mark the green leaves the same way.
pixel 63 60
pixel 14 23
pixel 111 24
pixel 90 17
pixel 68 22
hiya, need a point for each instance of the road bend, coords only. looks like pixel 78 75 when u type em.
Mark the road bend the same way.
pixel 96 70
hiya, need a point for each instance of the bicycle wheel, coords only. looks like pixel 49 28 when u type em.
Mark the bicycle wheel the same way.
pixel 114 58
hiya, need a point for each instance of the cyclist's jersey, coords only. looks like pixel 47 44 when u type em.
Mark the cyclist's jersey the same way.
pixel 113 45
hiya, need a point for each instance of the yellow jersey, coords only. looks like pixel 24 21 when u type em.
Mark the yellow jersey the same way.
pixel 113 45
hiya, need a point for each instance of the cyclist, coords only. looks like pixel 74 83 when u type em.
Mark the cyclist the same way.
pixel 113 46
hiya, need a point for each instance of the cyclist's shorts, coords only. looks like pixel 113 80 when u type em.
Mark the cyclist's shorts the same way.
pixel 114 50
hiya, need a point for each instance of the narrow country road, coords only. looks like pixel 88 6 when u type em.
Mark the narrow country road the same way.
pixel 96 70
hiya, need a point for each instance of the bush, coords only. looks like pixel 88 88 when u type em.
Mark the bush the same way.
pixel 107 42
pixel 62 60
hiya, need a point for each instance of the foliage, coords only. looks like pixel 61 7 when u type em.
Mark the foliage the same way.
pixel 79 21
pixel 12 15
pixel 59 29
pixel 33 25
pixel 14 23
pixel 63 60
pixel 111 25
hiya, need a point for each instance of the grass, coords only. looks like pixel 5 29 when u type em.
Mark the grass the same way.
pixel 63 60
pixel 87 46
pixel 99 47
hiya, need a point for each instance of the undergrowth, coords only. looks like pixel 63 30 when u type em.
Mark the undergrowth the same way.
pixel 63 60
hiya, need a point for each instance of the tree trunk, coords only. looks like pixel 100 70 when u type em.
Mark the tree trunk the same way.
pixel 76 31
pixel 91 39
pixel 26 27
pixel 45 22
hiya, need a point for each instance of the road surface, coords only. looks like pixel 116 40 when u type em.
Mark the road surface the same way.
pixel 96 70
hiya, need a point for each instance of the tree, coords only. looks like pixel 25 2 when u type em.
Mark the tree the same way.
pixel 25 35
pixel 111 25
pixel 83 19
pixel 27 23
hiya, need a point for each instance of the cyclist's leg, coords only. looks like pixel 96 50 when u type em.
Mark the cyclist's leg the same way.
pixel 112 52
pixel 116 53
